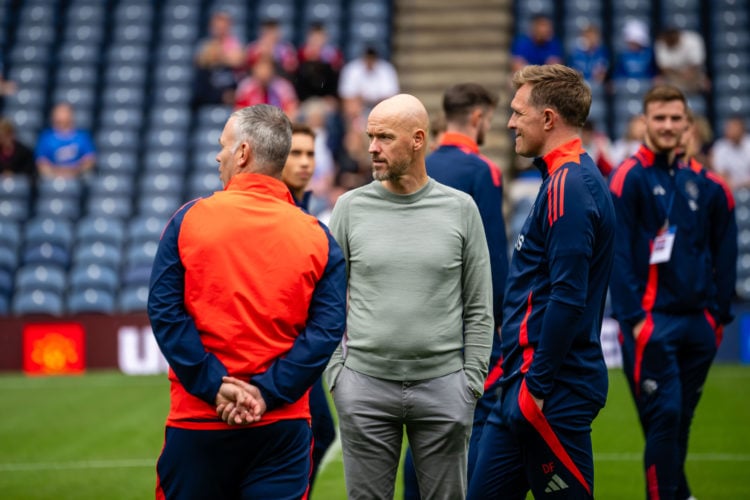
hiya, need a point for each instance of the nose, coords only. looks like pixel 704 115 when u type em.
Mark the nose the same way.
pixel 373 147
pixel 512 122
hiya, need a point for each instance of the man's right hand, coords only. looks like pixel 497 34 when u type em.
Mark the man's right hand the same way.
pixel 238 402
pixel 638 327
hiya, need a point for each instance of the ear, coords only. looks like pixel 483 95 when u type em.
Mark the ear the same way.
pixel 245 156
pixel 475 117
pixel 418 139
pixel 549 119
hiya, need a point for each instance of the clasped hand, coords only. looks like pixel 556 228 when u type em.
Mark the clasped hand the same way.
pixel 239 403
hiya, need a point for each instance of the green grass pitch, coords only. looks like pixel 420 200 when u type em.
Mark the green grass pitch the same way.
pixel 98 436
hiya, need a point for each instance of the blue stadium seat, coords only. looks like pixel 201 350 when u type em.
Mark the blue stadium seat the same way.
pixel 166 139
pixel 4 305
pixel 162 205
pixel 84 33
pixel 179 32
pixel 30 54
pixel 203 184
pixel 37 302
pixel 15 187
pixel 173 94
pixel 169 117
pixel 37 13
pixel 36 34
pixel 124 74
pixel 79 53
pixel 112 185
pixel 133 299
pixel 123 95
pixel 110 206
pixel 213 117
pixel 41 277
pixel 116 160
pixel 32 97
pixel 14 209
pixel 86 14
pixel 106 229
pixel 29 75
pixel 92 275
pixel 45 253
pixel 134 12
pixel 59 207
pixel 133 54
pixel 6 283
pixel 90 300
pixel 138 254
pixel 203 159
pixel 60 187
pixel 141 229
pixel 81 97
pixel 159 183
pixel 121 117
pixel 206 137
pixel 8 258
pixel 98 252
pixel 47 229
pixel 117 139
pixel 174 53
pixel 168 160
pixel 174 73
pixel 10 234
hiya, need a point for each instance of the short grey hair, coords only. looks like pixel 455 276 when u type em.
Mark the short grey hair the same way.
pixel 268 131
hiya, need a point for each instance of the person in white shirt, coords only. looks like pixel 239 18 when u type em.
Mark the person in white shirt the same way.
pixel 730 155
pixel 366 81
pixel 681 58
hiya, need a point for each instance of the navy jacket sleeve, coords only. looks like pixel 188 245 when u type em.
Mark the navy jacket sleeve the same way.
pixel 724 252
pixel 570 240
pixel 287 379
pixel 624 283
pixel 489 200
pixel 199 371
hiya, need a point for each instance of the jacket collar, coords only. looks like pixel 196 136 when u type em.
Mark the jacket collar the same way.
pixel 569 152
pixel 259 183
pixel 460 141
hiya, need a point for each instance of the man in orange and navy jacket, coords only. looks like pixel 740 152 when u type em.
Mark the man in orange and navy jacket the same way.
pixel 538 435
pixel 672 284
pixel 244 285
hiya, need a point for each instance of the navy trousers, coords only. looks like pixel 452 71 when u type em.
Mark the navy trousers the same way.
pixel 269 461
pixel 666 368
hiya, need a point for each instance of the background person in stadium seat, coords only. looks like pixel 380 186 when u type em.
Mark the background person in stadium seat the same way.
pixel 672 284
pixel 539 46
pixel 468 109
pixel 554 382
pixel 264 86
pixel 218 59
pixel 730 155
pixel 419 326
pixel 15 157
pixel 63 150
pixel 297 173
pixel 221 304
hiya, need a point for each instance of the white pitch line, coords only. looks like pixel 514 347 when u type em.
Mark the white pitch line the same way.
pixel 86 464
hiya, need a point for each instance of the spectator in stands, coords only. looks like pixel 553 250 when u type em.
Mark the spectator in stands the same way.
pixel 364 82
pixel 730 155
pixel 681 60
pixel 264 86
pixel 217 60
pixel 539 46
pixel 271 45
pixel 636 60
pixel 631 142
pixel 7 87
pixel 15 157
pixel 598 146
pixel 590 56
pixel 63 150
pixel 319 65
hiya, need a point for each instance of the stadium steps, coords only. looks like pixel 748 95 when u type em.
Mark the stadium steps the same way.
pixel 438 43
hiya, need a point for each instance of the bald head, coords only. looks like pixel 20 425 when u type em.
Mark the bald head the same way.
pixel 404 108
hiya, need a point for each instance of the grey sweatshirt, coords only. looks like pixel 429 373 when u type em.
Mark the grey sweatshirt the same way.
pixel 420 290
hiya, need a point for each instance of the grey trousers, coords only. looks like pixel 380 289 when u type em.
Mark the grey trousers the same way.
pixel 438 415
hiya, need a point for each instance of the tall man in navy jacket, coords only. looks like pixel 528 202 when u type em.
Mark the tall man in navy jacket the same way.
pixel 538 435
pixel 676 252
